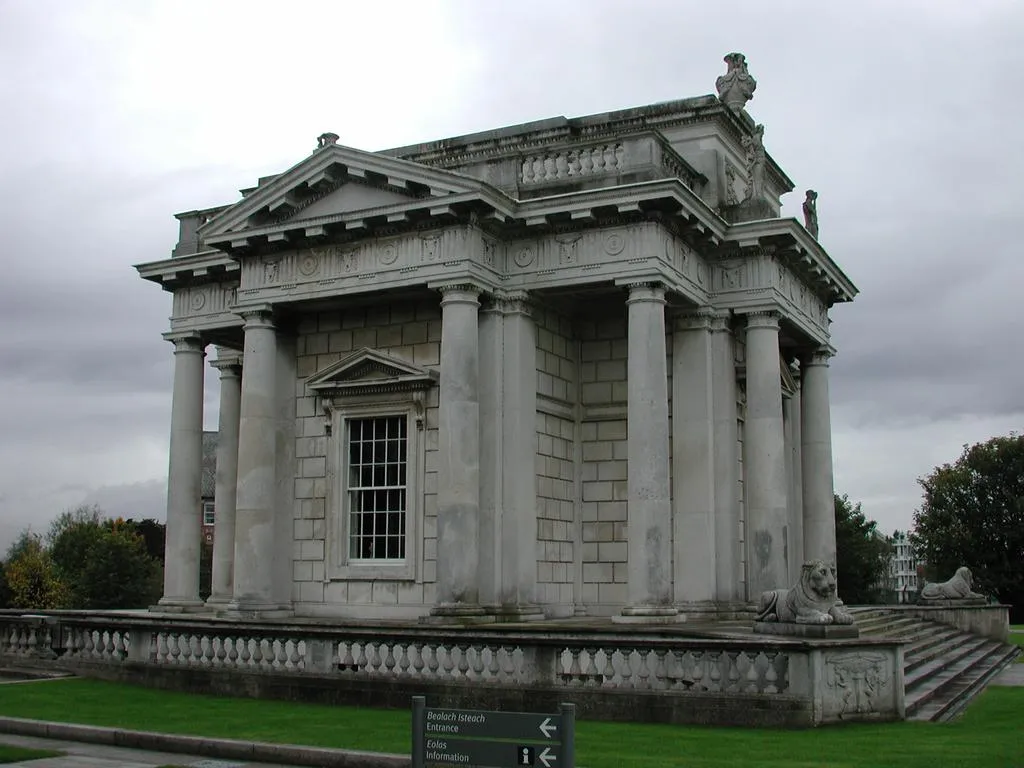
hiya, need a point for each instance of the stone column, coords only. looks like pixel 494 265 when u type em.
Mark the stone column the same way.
pixel 726 442
pixel 519 461
pixel 649 505
pixel 816 430
pixel 184 477
pixel 796 487
pixel 253 593
pixel 764 459
pixel 458 498
pixel 230 366
pixel 693 465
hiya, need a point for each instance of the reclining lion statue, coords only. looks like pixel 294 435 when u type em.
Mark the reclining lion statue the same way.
pixel 812 601
pixel 957 588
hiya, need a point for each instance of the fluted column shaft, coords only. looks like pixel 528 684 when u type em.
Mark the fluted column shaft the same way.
pixel 225 494
pixel 184 477
pixel 766 478
pixel 816 450
pixel 255 508
pixel 649 505
pixel 458 498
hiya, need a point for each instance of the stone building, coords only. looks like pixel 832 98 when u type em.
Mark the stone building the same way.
pixel 903 569
pixel 570 367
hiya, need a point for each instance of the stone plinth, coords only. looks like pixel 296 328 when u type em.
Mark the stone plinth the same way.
pixel 815 631
pixel 953 603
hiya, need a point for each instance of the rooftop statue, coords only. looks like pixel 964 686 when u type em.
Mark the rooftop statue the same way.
pixel 811 213
pixel 736 87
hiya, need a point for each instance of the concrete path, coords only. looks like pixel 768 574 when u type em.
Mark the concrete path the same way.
pixel 81 755
pixel 1012 675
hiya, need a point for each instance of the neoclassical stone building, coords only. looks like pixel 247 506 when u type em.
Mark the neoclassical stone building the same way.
pixel 571 367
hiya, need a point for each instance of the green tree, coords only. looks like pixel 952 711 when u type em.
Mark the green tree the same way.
pixel 862 555
pixel 153 533
pixel 32 579
pixel 973 514
pixel 103 562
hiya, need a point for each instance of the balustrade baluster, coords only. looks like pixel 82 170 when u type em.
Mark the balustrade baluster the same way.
pixel 715 671
pixel 661 681
pixel 734 672
pixel 348 663
pixel 449 662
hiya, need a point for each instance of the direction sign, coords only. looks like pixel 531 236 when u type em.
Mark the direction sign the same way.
pixel 492 725
pixel 492 739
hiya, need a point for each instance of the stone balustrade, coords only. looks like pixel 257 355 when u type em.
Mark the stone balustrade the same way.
pixel 753 680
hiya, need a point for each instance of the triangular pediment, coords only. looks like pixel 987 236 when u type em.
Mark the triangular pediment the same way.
pixel 337 180
pixel 369 370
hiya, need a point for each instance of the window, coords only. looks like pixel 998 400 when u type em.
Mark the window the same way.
pixel 377 497
pixel 209 514
pixel 375 405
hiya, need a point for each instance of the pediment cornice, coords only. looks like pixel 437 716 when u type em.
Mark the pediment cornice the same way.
pixel 282 199
pixel 369 371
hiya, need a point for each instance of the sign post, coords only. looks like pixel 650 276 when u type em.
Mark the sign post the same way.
pixel 492 739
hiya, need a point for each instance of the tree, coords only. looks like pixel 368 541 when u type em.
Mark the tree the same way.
pixel 973 514
pixel 153 533
pixel 31 577
pixel 862 555
pixel 103 562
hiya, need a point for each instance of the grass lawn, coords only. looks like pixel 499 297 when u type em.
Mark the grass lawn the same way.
pixel 989 734
pixel 16 754
pixel 1017 638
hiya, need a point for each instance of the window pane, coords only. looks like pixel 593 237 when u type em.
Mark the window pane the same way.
pixel 377 454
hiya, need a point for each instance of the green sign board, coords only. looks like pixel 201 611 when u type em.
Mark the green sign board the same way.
pixel 491 739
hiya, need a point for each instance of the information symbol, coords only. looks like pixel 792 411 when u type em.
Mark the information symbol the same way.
pixel 524 755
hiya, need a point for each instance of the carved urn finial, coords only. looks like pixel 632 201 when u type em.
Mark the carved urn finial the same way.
pixel 736 87
pixel 326 139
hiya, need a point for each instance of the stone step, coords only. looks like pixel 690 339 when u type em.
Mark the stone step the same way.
pixel 945 692
pixel 927 643
pixel 888 625
pixel 948 655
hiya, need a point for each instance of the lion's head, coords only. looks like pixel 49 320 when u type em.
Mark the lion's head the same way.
pixel 964 573
pixel 818 580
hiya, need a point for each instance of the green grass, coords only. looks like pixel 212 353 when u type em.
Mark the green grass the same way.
pixel 989 734
pixel 1017 638
pixel 10 754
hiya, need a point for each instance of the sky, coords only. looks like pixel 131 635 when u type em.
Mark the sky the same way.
pixel 117 115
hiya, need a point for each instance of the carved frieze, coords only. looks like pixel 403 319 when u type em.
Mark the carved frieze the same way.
pixel 202 300
pixel 795 293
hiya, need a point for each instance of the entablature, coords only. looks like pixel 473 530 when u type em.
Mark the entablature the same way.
pixel 203 267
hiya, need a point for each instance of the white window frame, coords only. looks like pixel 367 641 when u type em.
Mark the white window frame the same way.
pixel 213 512
pixel 340 565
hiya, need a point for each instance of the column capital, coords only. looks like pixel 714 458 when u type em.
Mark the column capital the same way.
pixel 768 318
pixel 819 356
pixel 705 318
pixel 257 316
pixel 459 293
pixel 647 291
pixel 229 367
pixel 186 341
pixel 511 303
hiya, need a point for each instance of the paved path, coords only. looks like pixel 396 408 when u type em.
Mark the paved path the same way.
pixel 80 755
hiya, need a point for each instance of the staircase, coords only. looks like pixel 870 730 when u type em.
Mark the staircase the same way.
pixel 943 667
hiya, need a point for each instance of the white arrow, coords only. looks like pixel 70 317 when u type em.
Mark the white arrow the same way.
pixel 547 757
pixel 547 728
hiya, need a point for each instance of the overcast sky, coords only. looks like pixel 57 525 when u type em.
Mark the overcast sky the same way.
pixel 116 115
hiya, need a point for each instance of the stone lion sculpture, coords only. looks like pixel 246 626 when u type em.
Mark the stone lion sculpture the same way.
pixel 957 588
pixel 812 601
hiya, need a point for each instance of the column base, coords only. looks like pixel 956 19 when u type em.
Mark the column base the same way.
pixel 458 613
pixel 219 602
pixel 649 614
pixel 178 605
pixel 254 610
pixel 505 614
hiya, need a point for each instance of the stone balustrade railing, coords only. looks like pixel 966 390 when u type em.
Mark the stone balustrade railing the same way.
pixel 426 657
pixel 643 156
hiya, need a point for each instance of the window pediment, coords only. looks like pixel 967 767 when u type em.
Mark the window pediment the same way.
pixel 370 372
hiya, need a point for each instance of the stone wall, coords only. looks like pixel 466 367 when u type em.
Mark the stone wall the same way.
pixel 410 331
pixel 603 356
pixel 557 387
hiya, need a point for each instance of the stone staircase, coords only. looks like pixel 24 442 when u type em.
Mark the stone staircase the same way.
pixel 944 667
